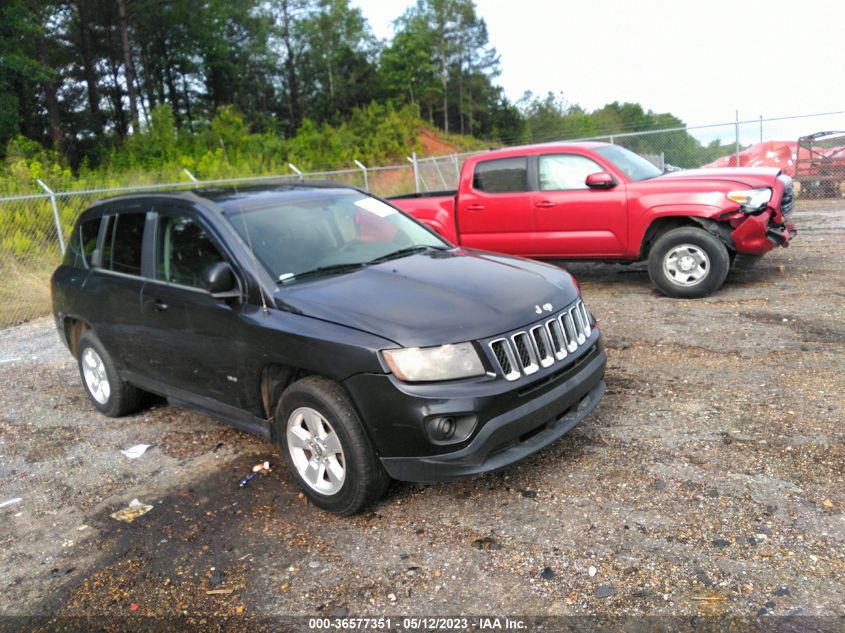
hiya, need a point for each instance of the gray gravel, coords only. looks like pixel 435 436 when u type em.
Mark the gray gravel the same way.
pixel 709 481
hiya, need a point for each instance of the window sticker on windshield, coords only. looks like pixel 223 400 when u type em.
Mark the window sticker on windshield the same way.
pixel 375 206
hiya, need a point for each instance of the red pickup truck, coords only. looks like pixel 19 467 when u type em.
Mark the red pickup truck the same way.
pixel 601 201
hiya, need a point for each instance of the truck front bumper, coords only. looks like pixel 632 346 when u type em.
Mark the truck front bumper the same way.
pixel 513 422
pixel 759 234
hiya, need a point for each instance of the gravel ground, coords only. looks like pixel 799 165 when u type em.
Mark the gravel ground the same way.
pixel 708 482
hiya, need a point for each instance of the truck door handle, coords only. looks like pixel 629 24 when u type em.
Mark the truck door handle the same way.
pixel 475 207
pixel 160 306
pixel 545 204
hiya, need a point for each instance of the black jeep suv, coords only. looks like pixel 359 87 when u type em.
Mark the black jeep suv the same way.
pixel 328 321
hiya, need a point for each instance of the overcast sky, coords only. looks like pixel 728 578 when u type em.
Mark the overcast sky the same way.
pixel 701 61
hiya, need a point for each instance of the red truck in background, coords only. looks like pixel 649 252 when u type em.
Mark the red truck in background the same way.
pixel 601 201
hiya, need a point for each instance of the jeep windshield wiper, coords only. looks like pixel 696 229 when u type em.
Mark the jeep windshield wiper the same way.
pixel 334 269
pixel 402 252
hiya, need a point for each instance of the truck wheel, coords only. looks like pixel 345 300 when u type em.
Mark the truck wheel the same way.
pixel 107 391
pixel 326 448
pixel 688 262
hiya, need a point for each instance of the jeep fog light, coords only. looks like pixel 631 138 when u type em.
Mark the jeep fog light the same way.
pixel 449 429
pixel 447 362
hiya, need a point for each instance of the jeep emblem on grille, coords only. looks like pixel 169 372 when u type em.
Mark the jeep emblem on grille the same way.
pixel 546 306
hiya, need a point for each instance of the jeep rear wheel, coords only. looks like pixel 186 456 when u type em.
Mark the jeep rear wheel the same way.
pixel 108 392
pixel 326 448
pixel 688 262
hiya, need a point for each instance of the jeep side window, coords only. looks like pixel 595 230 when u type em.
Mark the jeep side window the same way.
pixel 504 175
pixel 82 244
pixel 126 234
pixel 183 250
pixel 559 172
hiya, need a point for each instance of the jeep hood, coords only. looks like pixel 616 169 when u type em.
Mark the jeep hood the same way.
pixel 435 298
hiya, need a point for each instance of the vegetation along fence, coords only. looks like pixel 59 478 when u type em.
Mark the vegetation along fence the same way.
pixel 34 228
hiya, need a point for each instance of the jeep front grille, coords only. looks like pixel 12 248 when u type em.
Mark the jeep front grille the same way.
pixel 544 343
pixel 505 358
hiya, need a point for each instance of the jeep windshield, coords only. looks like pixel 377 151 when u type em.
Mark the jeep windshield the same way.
pixel 302 234
pixel 632 165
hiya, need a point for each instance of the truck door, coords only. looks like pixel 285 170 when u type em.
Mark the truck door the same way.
pixel 495 209
pixel 571 219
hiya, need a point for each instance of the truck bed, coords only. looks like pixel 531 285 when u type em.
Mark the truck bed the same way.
pixel 435 209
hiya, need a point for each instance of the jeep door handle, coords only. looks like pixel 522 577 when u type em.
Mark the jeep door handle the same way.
pixel 160 306
pixel 475 207
pixel 545 204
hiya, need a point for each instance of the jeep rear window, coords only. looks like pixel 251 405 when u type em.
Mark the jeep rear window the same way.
pixel 127 242
pixel 83 242
pixel 307 230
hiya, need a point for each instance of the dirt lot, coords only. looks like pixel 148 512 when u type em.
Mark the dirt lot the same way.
pixel 709 481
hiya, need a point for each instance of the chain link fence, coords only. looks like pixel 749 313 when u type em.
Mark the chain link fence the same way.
pixel 34 228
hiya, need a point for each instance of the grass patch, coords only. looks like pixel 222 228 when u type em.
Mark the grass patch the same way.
pixel 25 291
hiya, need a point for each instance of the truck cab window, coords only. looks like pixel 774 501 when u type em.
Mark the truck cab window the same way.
pixel 505 175
pixel 559 172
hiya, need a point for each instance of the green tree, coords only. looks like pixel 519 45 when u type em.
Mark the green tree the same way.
pixel 17 27
pixel 339 64
pixel 441 55
pixel 408 65
pixel 553 118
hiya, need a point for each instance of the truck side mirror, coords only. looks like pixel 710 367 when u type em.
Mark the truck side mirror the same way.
pixel 219 279
pixel 600 180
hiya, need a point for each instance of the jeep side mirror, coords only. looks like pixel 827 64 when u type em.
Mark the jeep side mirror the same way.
pixel 219 279
pixel 600 180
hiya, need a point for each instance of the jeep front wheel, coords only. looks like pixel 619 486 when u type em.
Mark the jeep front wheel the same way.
pixel 326 448
pixel 688 262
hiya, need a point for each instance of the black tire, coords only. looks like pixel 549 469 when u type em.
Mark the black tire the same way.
pixel 122 398
pixel 709 258
pixel 364 478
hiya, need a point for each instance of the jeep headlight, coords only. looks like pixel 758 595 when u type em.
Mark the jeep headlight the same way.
pixel 424 364
pixel 751 199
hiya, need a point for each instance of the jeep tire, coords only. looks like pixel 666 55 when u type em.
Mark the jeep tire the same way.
pixel 326 449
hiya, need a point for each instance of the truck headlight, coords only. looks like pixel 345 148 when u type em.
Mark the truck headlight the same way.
pixel 423 364
pixel 751 199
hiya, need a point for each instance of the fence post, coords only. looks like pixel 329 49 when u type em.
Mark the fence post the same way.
pixel 55 214
pixel 298 173
pixel 413 161
pixel 363 169
pixel 736 133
